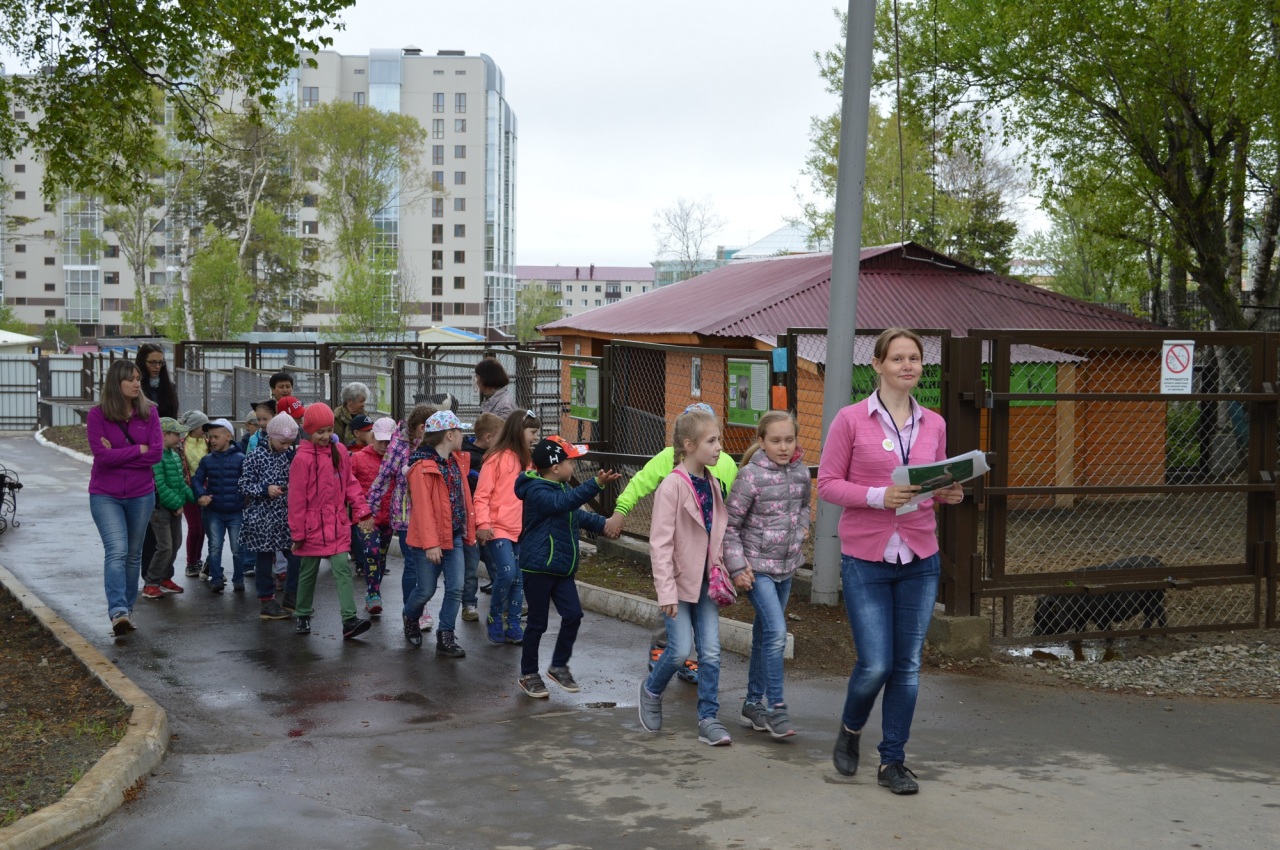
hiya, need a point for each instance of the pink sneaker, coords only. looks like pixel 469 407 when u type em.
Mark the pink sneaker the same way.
pixel 425 622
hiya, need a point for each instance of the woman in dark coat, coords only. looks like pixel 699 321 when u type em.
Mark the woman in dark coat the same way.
pixel 157 386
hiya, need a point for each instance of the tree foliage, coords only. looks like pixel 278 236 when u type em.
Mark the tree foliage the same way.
pixel 90 73
pixel 684 232
pixel 368 300
pixel 220 294
pixel 1174 103
pixel 535 306
pixel 9 321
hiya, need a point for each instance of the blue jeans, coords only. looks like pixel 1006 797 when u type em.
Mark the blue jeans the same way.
pixel 889 607
pixel 543 590
pixel 217 526
pixel 122 524
pixel 698 623
pixel 768 639
pixel 472 556
pixel 421 577
pixel 508 583
pixel 264 574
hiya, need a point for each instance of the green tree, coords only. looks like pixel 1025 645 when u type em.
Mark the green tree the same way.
pixel 59 334
pixel 368 301
pixel 535 306
pixel 9 321
pixel 94 70
pixel 1174 102
pixel 220 293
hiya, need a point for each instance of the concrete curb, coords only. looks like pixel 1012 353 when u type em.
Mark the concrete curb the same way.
pixel 80 456
pixel 734 635
pixel 100 791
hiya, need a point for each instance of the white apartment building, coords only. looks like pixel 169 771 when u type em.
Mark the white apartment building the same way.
pixel 458 248
pixel 582 288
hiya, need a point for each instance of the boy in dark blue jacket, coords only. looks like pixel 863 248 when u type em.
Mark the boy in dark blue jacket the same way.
pixel 549 555
pixel 216 483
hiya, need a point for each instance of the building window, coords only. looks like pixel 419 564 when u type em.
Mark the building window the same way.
pixel 628 289
pixel 359 70
pixel 437 207
pixel 459 151
pixel 459 73
pixel 49 314
pixel 437 312
pixel 459 282
pixel 48 207
pixel 308 200
pixel 597 302
pixel 20 168
pixel 358 97
pixel 437 234
pixel 157 250
pixel 437 128
pixel 459 256
pixel 50 261
pixel 438 72
pixel 437 154
pixel 459 125
pixel 437 260
pixel 157 278
pixel 20 274
pixel 49 234
pixel 460 102
pixel 437 285
pixel 459 204
pixel 48 287
pixel 19 196
pixel 437 177
pixel 111 252
pixel 311 228
pixel 459 178
pixel 597 287
pixel 310 96
pixel 460 230
pixel 437 102
pixel 19 114
pixel 459 308
pixel 111 277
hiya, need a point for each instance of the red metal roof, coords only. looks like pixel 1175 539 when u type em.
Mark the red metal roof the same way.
pixel 898 285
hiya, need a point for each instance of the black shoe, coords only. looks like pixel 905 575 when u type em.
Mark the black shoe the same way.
pixel 354 627
pixel 412 632
pixel 447 646
pixel 217 586
pixel 486 588
pixel 894 776
pixel 845 755
pixel 562 677
pixel 271 610
pixel 302 625
pixel 289 602
pixel 237 588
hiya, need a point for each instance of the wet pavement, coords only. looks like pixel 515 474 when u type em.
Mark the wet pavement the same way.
pixel 319 743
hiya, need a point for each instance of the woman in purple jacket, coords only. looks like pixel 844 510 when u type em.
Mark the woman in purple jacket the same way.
pixel 124 436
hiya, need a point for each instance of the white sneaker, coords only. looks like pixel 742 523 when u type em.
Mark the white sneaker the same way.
pixel 425 622
pixel 470 614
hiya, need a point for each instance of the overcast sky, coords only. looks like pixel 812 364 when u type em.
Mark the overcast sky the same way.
pixel 623 108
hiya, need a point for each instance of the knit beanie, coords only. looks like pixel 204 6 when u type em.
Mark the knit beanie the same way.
pixel 317 416
pixel 282 426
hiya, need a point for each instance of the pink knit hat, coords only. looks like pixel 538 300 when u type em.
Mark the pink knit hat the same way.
pixel 282 426
pixel 317 416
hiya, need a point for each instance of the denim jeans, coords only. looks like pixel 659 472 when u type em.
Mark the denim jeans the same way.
pixel 264 579
pixel 768 639
pixel 421 577
pixel 472 555
pixel 889 607
pixel 122 523
pixel 543 590
pixel 217 527
pixel 692 624
pixel 508 581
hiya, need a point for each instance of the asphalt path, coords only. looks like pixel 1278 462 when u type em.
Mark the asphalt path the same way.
pixel 290 742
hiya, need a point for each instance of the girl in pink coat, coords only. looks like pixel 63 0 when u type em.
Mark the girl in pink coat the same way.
pixel 686 539
pixel 321 489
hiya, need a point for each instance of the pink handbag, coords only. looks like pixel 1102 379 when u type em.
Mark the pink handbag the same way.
pixel 719 587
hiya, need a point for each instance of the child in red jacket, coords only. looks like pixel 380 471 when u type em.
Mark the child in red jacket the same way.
pixel 321 488
pixel 370 550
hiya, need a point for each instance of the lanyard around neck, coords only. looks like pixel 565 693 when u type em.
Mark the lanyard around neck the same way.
pixel 903 448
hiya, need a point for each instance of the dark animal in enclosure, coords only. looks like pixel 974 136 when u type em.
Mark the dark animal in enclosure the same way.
pixel 1069 613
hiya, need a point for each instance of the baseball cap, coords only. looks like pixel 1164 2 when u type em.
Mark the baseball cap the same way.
pixel 220 423
pixel 169 425
pixel 290 405
pixel 444 420
pixel 194 420
pixel 361 422
pixel 384 428
pixel 551 450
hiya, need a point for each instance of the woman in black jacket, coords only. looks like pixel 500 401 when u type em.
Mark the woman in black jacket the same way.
pixel 157 386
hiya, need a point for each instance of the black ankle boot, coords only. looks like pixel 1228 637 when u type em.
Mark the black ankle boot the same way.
pixel 447 645
pixel 845 755
pixel 412 632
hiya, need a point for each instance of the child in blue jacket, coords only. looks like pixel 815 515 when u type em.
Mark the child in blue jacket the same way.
pixel 549 556
pixel 216 483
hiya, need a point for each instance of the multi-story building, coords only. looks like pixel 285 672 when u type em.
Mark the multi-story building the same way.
pixel 581 288
pixel 457 248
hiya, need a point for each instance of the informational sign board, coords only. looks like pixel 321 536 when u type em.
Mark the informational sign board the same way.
pixel 1177 366
pixel 748 392
pixel 584 393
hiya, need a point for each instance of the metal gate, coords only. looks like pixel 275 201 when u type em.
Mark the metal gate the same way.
pixel 19 396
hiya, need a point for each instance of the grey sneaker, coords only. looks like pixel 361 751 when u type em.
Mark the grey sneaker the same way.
pixel 753 716
pixel 533 686
pixel 777 723
pixel 470 614
pixel 650 710
pixel 271 610
pixel 711 731
pixel 562 677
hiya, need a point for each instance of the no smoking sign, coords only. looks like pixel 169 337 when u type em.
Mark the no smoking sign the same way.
pixel 1176 366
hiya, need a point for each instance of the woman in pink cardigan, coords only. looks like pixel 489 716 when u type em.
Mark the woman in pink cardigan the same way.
pixel 889 562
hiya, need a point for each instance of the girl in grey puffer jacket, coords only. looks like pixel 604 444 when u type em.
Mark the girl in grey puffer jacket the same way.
pixel 769 515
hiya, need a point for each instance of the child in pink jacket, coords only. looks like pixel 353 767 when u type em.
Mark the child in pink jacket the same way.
pixel 686 539
pixel 321 487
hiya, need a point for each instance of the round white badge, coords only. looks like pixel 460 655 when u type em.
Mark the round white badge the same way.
pixel 888 444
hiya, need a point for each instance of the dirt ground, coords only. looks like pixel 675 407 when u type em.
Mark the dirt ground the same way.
pixel 57 719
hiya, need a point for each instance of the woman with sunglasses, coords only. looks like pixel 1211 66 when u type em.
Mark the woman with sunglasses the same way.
pixel 157 386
